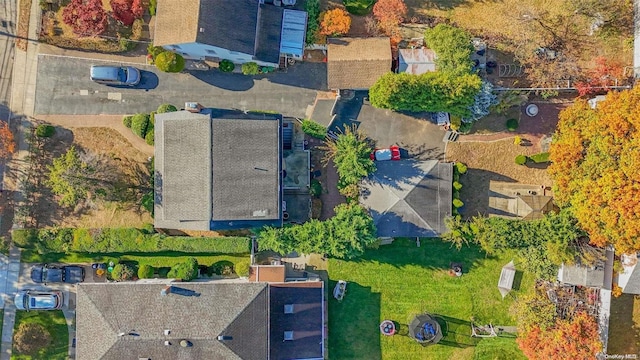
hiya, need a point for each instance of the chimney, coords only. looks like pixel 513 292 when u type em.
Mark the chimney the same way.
pixel 193 107
pixel 166 290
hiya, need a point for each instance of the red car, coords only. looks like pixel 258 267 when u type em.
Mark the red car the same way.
pixel 392 153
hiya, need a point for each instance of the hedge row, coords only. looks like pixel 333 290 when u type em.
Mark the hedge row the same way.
pixel 122 240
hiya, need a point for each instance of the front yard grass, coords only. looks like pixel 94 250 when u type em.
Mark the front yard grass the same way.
pixel 399 281
pixel 56 324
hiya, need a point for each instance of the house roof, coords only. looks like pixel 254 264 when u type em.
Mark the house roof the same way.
pixel 267 273
pixel 217 169
pixel 629 277
pixel 356 63
pixel 267 46
pixel 417 61
pixel 409 198
pixel 105 329
pixel 176 22
pixel 518 201
pixel 306 320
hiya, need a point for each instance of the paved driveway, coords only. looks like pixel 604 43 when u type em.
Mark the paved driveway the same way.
pixel 63 87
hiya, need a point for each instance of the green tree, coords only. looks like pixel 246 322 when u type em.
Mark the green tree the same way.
pixel 314 129
pixel 350 154
pixel 250 68
pixel 185 271
pixel 242 268
pixel 122 272
pixel 452 46
pixel 140 124
pixel 68 177
pixel 165 108
pixel 169 61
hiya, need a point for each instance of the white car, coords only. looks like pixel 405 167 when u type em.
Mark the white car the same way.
pixel 39 300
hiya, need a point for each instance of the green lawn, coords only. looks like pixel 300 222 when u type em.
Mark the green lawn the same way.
pixel 54 322
pixel 398 281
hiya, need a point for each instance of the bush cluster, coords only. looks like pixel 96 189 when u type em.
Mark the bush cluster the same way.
pixel 312 7
pixel 315 188
pixel 250 68
pixel 540 158
pixel 222 268
pixel 45 131
pixel 512 124
pixel 457 203
pixel 67 240
pixel 146 271
pixel 139 124
pixel 521 159
pixel 169 61
pixel 126 120
pixel 122 272
pixel 165 108
pixel 314 129
pixel 185 271
pixel 226 66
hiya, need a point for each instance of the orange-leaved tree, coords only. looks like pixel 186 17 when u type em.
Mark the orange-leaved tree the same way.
pixel 575 339
pixel 335 22
pixel 595 156
pixel 390 13
pixel 7 144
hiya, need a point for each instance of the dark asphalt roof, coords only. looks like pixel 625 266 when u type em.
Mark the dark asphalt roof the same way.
pixel 228 24
pixel 269 30
pixel 305 321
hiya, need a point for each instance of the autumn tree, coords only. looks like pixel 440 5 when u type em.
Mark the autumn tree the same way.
pixel 575 339
pixel 7 144
pixel 86 17
pixel 126 11
pixel 594 157
pixel 605 73
pixel 390 14
pixel 335 22
pixel 30 338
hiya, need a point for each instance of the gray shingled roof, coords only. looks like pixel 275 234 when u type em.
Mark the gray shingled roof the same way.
pixel 228 24
pixel 269 32
pixel 246 171
pixel 105 310
pixel 408 197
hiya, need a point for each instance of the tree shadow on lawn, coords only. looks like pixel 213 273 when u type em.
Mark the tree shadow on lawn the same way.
pixel 355 332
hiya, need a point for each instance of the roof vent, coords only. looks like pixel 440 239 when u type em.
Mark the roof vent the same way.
pixel 201 30
pixel 288 308
pixel 167 343
pixel 167 332
pixel 288 335
pixel 186 343
pixel 224 337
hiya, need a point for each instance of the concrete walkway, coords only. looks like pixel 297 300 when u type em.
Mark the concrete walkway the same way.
pixel 109 121
pixel 10 287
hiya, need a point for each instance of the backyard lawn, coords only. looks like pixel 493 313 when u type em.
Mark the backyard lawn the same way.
pixel 56 324
pixel 399 281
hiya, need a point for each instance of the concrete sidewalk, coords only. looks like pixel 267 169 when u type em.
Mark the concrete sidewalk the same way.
pixel 136 57
pixel 11 284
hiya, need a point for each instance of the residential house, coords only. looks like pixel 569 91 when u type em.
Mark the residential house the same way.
pixel 206 320
pixel 409 198
pixel 357 63
pixel 218 169
pixel 519 201
pixel 416 61
pixel 240 31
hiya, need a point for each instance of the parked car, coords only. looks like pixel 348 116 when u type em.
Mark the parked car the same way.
pixel 115 75
pixel 392 153
pixel 39 300
pixel 45 273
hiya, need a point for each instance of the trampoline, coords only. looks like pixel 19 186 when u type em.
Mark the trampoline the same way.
pixel 425 330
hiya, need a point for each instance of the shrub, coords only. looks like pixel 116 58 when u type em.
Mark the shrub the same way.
pixel 456 194
pixel 312 7
pixel 126 121
pixel 154 51
pixel 147 201
pixel 165 108
pixel 616 291
pixel 314 129
pixel 226 66
pixel 540 158
pixel 457 203
pixel 315 188
pixel 45 131
pixel 139 124
pixel 465 128
pixel 153 4
pixel 461 168
pixel 122 11
pixel 122 272
pixel 86 17
pixel 222 268
pixel 146 271
pixel 521 159
pixel 359 7
pixel 250 68
pixel 149 138
pixel 512 124
pixel 456 122
pixel 517 140
pixel 168 61
pixel 457 185
pixel 148 228
pixel 242 268
pixel 136 29
pixel 24 238
pixel 185 271
pixel 31 338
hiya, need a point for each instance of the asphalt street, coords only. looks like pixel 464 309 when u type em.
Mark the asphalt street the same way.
pixel 63 87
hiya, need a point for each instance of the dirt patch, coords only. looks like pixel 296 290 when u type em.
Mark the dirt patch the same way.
pixel 23 25
pixel 120 206
pixel 491 161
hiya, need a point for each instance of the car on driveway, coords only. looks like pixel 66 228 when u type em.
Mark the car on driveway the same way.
pixel 45 273
pixel 39 300
pixel 115 75
pixel 392 153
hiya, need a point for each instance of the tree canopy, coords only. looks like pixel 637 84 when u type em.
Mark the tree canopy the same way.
pixel 350 153
pixel 594 157
pixel 335 22
pixel 432 91
pixel 346 235
pixel 86 17
pixel 452 46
